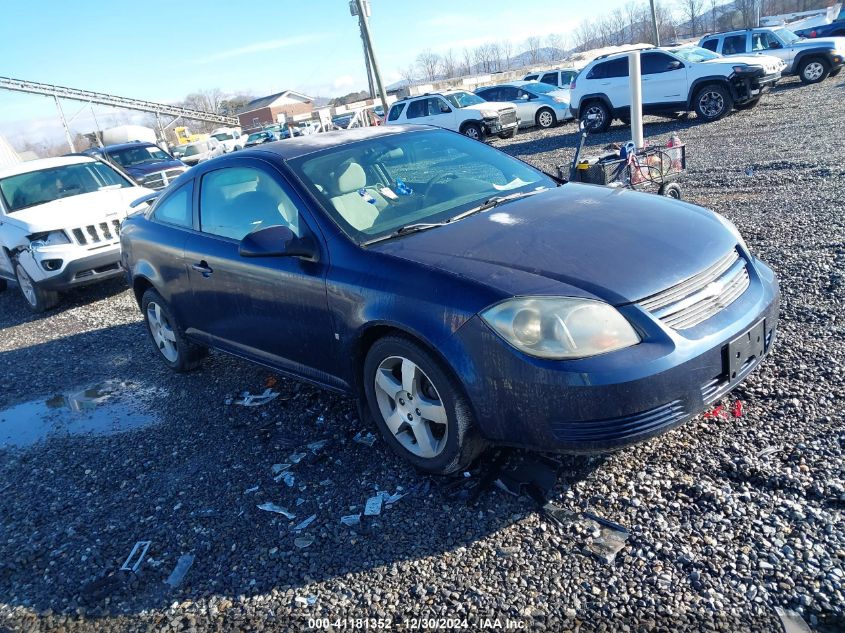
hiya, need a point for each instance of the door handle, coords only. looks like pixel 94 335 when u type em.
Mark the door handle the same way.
pixel 203 268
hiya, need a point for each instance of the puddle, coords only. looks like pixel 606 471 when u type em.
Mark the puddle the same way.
pixel 110 407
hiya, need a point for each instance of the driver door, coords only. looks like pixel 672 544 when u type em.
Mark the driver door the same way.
pixel 767 43
pixel 664 80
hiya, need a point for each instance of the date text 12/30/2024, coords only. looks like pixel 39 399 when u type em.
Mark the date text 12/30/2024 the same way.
pixel 416 624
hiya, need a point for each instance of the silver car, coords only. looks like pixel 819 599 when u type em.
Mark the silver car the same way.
pixel 536 103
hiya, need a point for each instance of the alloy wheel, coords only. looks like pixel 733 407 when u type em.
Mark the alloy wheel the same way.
pixel 711 103
pixel 813 71
pixel 597 112
pixel 411 407
pixel 162 332
pixel 472 132
pixel 545 119
pixel 27 289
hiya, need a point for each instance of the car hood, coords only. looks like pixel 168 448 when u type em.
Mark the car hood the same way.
pixel 770 63
pixel 152 168
pixel 495 105
pixel 81 210
pixel 836 42
pixel 614 244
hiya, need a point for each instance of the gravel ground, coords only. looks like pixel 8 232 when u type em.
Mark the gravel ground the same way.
pixel 729 517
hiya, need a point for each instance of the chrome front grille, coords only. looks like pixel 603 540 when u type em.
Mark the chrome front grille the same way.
pixel 507 117
pixel 698 298
pixel 97 234
pixel 161 179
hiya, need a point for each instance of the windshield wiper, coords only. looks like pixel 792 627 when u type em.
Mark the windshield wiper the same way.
pixel 406 230
pixel 495 201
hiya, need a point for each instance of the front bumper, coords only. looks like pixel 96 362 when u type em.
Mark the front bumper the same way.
pixel 84 271
pixel 495 126
pixel 747 87
pixel 613 400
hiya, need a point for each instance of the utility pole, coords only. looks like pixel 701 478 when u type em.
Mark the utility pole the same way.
pixel 363 17
pixel 368 42
pixel 654 24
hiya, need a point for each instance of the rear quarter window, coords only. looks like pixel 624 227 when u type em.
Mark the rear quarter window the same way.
pixel 395 111
pixel 711 45
pixel 610 69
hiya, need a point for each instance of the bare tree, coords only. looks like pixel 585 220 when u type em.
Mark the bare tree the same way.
pixel 532 46
pixel 449 64
pixel 429 64
pixel 507 53
pixel 713 4
pixel 467 61
pixel 205 100
pixel 555 45
pixel 748 9
pixel 494 53
pixel 409 74
pixel 693 12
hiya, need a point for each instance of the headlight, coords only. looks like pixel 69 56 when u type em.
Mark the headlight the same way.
pixel 735 231
pixel 744 68
pixel 490 114
pixel 560 327
pixel 51 238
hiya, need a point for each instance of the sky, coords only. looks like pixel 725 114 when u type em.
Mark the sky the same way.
pixel 162 50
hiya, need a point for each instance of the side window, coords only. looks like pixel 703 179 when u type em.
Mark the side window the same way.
pixel 489 94
pixel 176 208
pixel 417 109
pixel 437 106
pixel 611 69
pixel 530 77
pixel 734 44
pixel 508 93
pixel 235 201
pixel 764 41
pixel 653 63
pixel 549 78
pixel 395 111
pixel 711 45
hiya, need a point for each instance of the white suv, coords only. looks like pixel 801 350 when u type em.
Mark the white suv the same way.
pixel 676 79
pixel 60 224
pixel 457 110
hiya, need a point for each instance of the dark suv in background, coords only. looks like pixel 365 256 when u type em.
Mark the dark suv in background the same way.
pixel 146 163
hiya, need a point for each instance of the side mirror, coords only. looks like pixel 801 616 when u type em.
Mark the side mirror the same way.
pixel 525 97
pixel 444 108
pixel 675 65
pixel 277 241
pixel 775 45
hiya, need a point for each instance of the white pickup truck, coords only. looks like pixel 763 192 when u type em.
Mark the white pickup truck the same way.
pixel 230 138
pixel 60 225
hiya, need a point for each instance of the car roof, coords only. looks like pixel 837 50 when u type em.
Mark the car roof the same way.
pixel 43 163
pixel 732 31
pixel 302 145
pixel 128 144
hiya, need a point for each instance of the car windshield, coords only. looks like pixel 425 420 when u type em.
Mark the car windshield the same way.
pixel 193 150
pixel 131 156
pixel 38 187
pixel 178 151
pixel 787 36
pixel 223 136
pixel 256 136
pixel 694 54
pixel 540 88
pixel 463 99
pixel 372 188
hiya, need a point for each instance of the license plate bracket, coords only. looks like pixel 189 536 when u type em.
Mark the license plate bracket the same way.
pixel 746 349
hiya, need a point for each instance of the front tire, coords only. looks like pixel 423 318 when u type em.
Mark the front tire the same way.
pixel 545 118
pixel 600 112
pixel 38 299
pixel 174 348
pixel 473 131
pixel 814 70
pixel 670 190
pixel 713 102
pixel 419 407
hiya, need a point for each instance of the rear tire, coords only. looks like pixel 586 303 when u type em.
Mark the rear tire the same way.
pixel 712 102
pixel 167 337
pixel 447 441
pixel 600 111
pixel 814 70
pixel 473 131
pixel 670 190
pixel 545 118
pixel 748 105
pixel 38 299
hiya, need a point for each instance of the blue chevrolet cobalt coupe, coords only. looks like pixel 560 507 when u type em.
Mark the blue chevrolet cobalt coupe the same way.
pixel 462 296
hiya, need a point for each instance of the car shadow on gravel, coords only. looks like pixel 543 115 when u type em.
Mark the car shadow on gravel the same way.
pixel 74 506
pixel 14 310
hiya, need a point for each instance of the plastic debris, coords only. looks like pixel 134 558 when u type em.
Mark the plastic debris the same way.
pixel 736 411
pixel 316 446
pixel 367 439
pixel 321 420
pixel 288 478
pixel 136 556
pixel 305 523
pixel 716 413
pixel 278 468
pixel 271 381
pixel 256 400
pixel 303 541
pixel 769 450
pixel 182 566
pixel 610 539
pixel 791 621
pixel 250 490
pixel 749 171
pixel 373 506
pixel 300 501
pixel 272 507
pixel 351 519
pixel 305 601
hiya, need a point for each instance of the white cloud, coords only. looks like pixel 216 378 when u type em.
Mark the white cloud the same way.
pixel 344 81
pixel 259 47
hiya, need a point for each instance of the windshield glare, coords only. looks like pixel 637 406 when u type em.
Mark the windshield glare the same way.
pixel 787 36
pixel 38 187
pixel 132 156
pixel 463 99
pixel 540 88
pixel 193 150
pixel 373 187
pixel 695 54
pixel 223 137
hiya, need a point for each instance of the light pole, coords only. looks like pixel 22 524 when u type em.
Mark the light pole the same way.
pixel 654 24
pixel 368 42
pixel 362 17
